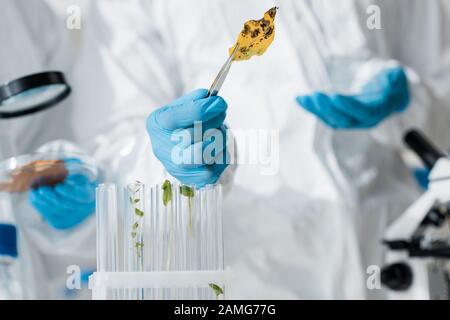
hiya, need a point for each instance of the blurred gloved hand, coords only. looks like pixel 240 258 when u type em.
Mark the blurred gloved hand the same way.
pixel 422 177
pixel 387 93
pixel 168 124
pixel 65 205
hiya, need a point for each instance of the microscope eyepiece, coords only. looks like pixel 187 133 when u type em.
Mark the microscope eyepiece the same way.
pixel 424 148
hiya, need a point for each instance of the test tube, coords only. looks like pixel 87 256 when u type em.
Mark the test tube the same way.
pixel 134 233
pixel 182 233
pixel 219 240
pixel 107 230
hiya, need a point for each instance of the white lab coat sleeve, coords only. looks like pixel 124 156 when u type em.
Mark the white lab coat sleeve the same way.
pixel 48 33
pixel 427 110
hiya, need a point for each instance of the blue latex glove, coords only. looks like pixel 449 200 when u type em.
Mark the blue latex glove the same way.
pixel 65 205
pixel 387 93
pixel 177 119
pixel 421 175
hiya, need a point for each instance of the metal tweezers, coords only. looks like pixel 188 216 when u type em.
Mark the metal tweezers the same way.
pixel 223 73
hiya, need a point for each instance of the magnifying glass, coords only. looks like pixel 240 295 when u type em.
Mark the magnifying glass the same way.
pixel 32 94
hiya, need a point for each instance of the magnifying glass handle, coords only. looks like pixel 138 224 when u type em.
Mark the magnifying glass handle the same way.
pixel 7 147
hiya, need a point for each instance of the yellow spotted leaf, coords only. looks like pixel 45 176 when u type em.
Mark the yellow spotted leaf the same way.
pixel 256 37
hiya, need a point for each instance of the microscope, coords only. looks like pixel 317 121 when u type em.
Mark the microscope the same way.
pixel 418 241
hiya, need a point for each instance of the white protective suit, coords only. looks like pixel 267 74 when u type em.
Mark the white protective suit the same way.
pixel 290 234
pixel 34 40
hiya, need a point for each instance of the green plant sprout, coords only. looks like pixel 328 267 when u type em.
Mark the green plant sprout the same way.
pixel 189 193
pixel 218 291
pixel 134 200
pixel 167 198
pixel 167 192
pixel 139 214
pixel 139 247
pixel 134 230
